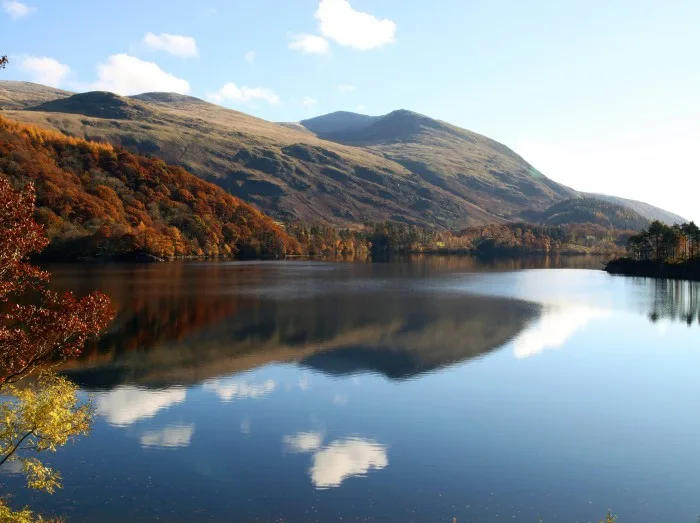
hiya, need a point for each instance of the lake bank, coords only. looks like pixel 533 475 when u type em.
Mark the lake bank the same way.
pixel 655 269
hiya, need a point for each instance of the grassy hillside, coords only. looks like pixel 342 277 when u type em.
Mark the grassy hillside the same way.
pixel 20 95
pixel 293 175
pixel 650 212
pixel 100 200
pixel 590 210
pixel 465 164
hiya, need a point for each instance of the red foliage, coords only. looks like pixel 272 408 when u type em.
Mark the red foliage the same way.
pixel 36 325
pixel 96 200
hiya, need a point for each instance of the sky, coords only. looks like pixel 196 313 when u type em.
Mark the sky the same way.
pixel 600 95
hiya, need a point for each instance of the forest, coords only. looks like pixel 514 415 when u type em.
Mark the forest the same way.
pixel 96 200
pixel 667 243
pixel 387 238
pixel 663 251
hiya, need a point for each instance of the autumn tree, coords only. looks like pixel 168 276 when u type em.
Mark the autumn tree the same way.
pixel 37 325
pixel 38 328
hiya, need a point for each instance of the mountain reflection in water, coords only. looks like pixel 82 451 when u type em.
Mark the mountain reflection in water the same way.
pixel 179 327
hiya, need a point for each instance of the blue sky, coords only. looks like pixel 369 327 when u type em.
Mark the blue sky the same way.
pixel 600 95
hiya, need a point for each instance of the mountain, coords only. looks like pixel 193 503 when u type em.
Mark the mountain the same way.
pixel 343 169
pixel 337 122
pixel 438 146
pixel 97 104
pixel 98 200
pixel 464 164
pixel 20 95
pixel 591 210
pixel 650 212
pixel 293 175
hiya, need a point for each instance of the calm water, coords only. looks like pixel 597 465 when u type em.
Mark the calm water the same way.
pixel 420 391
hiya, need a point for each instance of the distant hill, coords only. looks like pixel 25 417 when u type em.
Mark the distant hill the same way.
pixel 406 136
pixel 340 121
pixel 98 200
pixel 464 164
pixel 20 95
pixel 344 169
pixel 591 210
pixel 648 211
pixel 97 104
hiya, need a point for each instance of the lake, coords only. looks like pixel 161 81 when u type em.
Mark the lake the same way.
pixel 422 390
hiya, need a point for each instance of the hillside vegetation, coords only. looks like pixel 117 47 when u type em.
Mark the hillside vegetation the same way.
pixel 590 210
pixel 649 212
pixel 100 200
pixel 442 176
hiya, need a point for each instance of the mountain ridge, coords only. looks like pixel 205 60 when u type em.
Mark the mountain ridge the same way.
pixel 414 169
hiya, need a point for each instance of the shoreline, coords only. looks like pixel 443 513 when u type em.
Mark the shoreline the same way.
pixel 145 258
pixel 654 269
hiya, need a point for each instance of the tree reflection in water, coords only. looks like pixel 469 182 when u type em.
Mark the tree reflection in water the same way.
pixel 674 300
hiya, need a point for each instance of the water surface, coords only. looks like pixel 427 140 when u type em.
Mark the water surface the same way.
pixel 414 391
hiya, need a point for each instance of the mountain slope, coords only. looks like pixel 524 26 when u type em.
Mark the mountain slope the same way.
pixel 465 164
pixel 591 210
pixel 97 200
pixel 650 212
pixel 294 175
pixel 20 95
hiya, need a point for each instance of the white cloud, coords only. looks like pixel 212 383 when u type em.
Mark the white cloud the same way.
pixel 126 75
pixel 170 437
pixel 227 390
pixel 553 329
pixel 16 9
pixel 45 70
pixel 360 108
pixel 178 45
pixel 303 442
pixel 345 458
pixel 310 44
pixel 338 21
pixel 125 405
pixel 250 57
pixel 340 399
pixel 345 88
pixel 309 102
pixel 232 93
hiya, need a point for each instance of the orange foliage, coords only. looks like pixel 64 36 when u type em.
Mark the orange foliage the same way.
pixel 100 200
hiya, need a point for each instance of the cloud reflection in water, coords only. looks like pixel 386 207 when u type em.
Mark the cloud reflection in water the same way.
pixel 228 390
pixel 553 329
pixel 172 436
pixel 128 404
pixel 339 460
